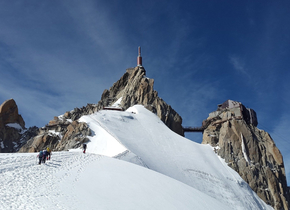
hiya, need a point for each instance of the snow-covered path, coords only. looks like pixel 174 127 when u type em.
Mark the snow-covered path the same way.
pixel 27 185
pixel 72 180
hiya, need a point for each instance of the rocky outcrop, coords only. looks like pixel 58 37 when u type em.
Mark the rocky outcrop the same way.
pixel 9 114
pixel 79 112
pixel 12 128
pixel 249 151
pixel 135 88
pixel 60 134
pixel 75 135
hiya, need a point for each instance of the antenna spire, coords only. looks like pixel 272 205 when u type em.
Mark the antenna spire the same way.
pixel 139 58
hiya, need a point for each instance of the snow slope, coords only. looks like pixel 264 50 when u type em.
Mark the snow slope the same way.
pixel 168 171
pixel 152 144
pixel 87 181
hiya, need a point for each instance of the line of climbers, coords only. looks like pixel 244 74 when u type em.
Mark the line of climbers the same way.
pixel 46 154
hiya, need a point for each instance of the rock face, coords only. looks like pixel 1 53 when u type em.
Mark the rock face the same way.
pixel 249 151
pixel 12 128
pixel 60 134
pixel 9 114
pixel 135 88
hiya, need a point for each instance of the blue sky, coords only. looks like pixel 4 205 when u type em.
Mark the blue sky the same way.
pixel 58 55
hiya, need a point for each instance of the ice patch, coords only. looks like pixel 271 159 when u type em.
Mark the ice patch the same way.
pixel 244 150
pixel 55 133
pixel 14 125
pixel 117 103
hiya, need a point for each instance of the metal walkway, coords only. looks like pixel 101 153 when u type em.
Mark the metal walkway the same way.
pixel 193 129
pixel 197 129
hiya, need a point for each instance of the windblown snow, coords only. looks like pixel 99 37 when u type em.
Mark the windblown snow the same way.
pixel 133 161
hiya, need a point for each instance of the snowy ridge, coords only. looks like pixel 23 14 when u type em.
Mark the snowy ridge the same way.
pixel 146 166
pixel 142 133
pixel 103 141
pixel 110 145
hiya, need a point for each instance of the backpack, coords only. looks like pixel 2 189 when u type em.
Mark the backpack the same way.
pixel 40 154
pixel 44 152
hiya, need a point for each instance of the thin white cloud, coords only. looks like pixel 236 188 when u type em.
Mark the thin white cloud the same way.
pixel 49 79
pixel 96 23
pixel 239 65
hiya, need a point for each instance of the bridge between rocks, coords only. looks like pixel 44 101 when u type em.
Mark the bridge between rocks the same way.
pixel 205 124
pixel 193 129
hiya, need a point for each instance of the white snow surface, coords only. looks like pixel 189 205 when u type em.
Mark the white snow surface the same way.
pixel 133 161
pixel 55 133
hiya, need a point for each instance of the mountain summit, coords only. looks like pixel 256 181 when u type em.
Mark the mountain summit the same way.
pixel 231 131
pixel 135 88
pixel 65 132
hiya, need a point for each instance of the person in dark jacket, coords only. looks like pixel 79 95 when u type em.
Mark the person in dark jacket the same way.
pixel 84 147
pixel 40 156
pixel 44 156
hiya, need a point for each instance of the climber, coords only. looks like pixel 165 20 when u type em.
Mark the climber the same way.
pixel 44 156
pixel 48 153
pixel 84 147
pixel 40 156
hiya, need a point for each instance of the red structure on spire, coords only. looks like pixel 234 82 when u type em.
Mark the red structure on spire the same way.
pixel 139 58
